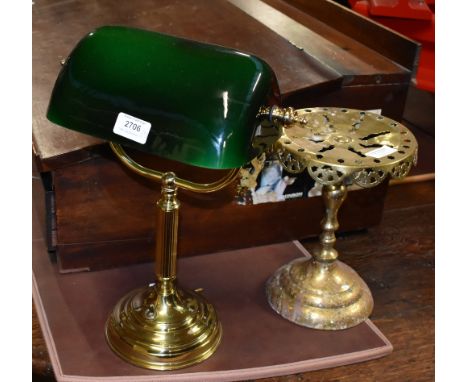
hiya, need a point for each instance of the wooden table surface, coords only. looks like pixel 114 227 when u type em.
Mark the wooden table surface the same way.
pixel 396 259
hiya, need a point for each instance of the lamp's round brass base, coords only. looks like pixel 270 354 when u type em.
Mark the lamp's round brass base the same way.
pixel 163 329
pixel 319 295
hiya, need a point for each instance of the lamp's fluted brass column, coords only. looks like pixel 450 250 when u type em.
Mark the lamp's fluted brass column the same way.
pixel 162 326
pixel 167 223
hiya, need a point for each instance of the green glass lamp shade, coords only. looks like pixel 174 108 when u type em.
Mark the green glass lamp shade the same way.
pixel 183 100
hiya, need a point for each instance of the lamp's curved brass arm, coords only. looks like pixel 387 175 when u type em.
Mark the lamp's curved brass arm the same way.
pixel 182 183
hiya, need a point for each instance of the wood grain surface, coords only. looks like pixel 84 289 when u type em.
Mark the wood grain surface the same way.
pixel 90 197
pixel 396 259
pixel 342 52
pixel 398 48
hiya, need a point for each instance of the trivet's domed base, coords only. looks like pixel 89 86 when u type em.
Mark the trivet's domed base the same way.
pixel 319 295
pixel 163 328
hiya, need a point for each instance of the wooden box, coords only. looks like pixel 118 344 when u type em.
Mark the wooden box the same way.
pixel 100 215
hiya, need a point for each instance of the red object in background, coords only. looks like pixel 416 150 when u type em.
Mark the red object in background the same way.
pixel 412 18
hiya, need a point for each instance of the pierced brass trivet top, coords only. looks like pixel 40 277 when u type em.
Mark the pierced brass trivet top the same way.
pixel 337 144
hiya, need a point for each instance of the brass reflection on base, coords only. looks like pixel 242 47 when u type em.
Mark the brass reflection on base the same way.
pixel 338 147
pixel 162 326
pixel 321 292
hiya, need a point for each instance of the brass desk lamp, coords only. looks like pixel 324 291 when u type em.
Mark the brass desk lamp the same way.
pixel 182 100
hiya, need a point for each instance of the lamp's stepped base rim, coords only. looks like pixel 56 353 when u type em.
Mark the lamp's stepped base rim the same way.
pixel 163 332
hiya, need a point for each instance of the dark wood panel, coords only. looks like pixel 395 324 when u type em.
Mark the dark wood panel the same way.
pixel 388 97
pixel 354 61
pixel 105 216
pixel 410 194
pixel 395 46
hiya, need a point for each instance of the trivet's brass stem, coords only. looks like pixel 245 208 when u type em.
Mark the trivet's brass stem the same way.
pixel 333 197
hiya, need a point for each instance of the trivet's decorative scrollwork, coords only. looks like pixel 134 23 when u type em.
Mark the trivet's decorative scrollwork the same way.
pixel 290 162
pixel 369 177
pixel 338 143
pixel 338 147
pixel 326 175
pixel 401 170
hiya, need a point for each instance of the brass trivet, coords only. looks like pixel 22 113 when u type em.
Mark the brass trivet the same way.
pixel 338 147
